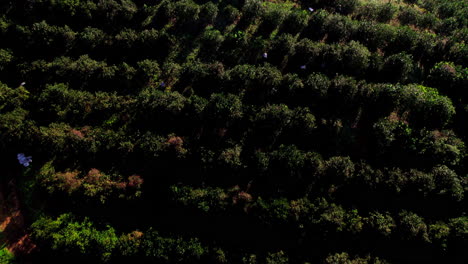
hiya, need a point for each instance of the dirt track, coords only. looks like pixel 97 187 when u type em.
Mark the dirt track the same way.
pixel 12 221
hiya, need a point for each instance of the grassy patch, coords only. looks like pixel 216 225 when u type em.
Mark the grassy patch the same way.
pixel 6 257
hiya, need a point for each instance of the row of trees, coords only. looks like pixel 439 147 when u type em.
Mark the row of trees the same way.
pixel 305 215
pixel 285 53
pixel 403 120
pixel 411 119
pixel 294 172
pixel 69 237
pixel 336 27
pixel 82 239
pixel 314 26
pixel 309 57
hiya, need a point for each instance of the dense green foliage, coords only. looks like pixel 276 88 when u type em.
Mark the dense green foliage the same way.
pixel 245 131
pixel 6 256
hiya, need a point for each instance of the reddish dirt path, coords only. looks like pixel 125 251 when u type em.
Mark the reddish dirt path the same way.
pixel 12 221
